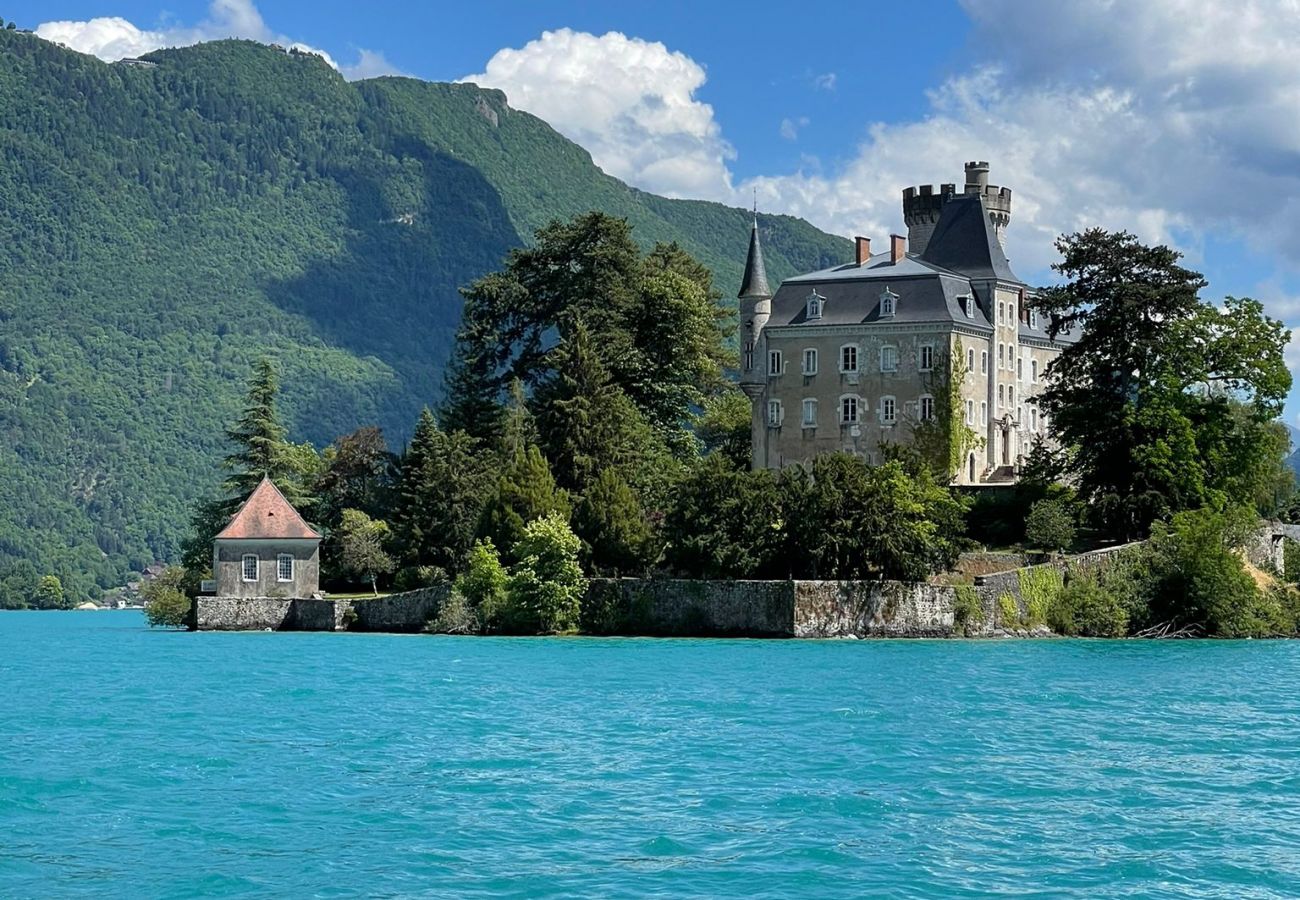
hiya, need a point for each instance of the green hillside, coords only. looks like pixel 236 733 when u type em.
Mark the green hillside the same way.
pixel 160 228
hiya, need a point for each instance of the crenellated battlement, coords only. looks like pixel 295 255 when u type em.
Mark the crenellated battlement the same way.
pixel 923 203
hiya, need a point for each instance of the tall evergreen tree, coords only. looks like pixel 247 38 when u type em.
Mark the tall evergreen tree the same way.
pixel 612 525
pixel 585 421
pixel 258 436
pixel 524 492
pixel 443 488
pixel 1141 401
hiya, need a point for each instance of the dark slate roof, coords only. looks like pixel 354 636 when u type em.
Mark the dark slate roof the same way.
pixel 754 284
pixel 964 241
pixel 925 292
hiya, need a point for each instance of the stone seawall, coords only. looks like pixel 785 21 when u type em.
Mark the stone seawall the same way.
pixel 825 609
pixel 653 606
pixel 264 614
pixel 400 613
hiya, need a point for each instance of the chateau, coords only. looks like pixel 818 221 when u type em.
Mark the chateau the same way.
pixel 854 357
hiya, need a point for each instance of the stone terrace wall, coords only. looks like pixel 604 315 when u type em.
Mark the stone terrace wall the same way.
pixel 263 614
pixel 653 606
pixel 406 613
pixel 990 587
pixel 872 609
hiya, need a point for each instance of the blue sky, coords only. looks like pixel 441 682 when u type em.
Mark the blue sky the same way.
pixel 1174 119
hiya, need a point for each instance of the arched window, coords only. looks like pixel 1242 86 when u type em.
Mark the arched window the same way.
pixel 849 409
pixel 849 358
pixel 970 412
pixel 971 466
pixel 815 303
pixel 774 413
pixel 889 359
pixel 926 358
pixel 1001 396
pixel 984 362
pixel 927 407
pixel 888 303
pixel 984 412
pixel 970 359
pixel 888 411
pixel 810 361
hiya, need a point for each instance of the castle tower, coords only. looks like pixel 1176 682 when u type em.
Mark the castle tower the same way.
pixel 922 205
pixel 755 309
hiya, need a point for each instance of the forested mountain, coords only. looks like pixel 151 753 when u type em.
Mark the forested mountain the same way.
pixel 163 226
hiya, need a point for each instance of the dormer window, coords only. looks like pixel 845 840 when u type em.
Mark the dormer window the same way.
pixel 968 305
pixel 1033 319
pixel 888 303
pixel 815 303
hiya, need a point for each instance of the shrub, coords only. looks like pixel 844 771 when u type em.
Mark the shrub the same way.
pixel 1008 611
pixel 1040 587
pixel 547 584
pixel 1084 608
pixel 165 604
pixel 483 585
pixel 967 610
pixel 1050 525
pixel 1200 580
pixel 456 616
pixel 1291 561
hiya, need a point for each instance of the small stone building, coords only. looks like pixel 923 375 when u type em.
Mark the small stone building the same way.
pixel 266 550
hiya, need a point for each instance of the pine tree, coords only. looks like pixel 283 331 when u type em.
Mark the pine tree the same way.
pixel 258 436
pixel 585 422
pixel 526 491
pixel 613 526
pixel 443 488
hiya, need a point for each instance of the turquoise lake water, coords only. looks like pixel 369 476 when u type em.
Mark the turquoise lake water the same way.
pixel 150 764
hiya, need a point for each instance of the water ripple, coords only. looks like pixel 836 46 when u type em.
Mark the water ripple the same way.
pixel 144 764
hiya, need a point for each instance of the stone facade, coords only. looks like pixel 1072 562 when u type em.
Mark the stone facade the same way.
pixel 852 358
pixel 228 566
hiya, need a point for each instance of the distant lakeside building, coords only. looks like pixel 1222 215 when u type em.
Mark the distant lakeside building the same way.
pixel 847 358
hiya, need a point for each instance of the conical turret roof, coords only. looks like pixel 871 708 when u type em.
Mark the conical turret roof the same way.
pixel 754 284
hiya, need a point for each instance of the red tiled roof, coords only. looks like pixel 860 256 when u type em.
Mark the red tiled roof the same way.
pixel 267 515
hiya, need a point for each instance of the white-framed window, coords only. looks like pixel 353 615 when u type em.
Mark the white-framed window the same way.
pixel 1020 414
pixel 926 357
pixel 774 362
pixel 1033 371
pixel 888 410
pixel 888 303
pixel 1011 395
pixel 1033 419
pixel 984 362
pixel 970 359
pixel 968 305
pixel 1002 313
pixel 970 412
pixel 774 413
pixel 1002 352
pixel 927 407
pixel 1020 367
pixel 749 356
pixel 1033 319
pixel 1002 396
pixel 849 410
pixel 810 361
pixel 815 303
pixel 889 359
pixel 1011 314
pixel 809 413
pixel 984 412
pixel 284 567
pixel 248 566
pixel 849 358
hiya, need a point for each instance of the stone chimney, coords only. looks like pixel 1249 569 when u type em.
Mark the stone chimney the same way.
pixel 897 248
pixel 862 246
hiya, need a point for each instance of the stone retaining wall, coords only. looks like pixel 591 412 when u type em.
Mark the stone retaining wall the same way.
pixel 825 609
pixel 404 613
pixel 263 614
pixel 652 606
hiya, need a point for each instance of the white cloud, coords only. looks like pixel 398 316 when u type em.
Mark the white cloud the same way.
pixel 826 81
pixel 1175 120
pixel 370 64
pixel 631 103
pixel 112 38
pixel 790 127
